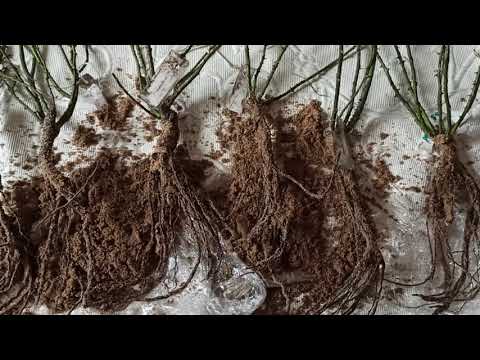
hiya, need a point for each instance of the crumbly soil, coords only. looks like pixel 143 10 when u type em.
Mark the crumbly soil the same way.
pixel 113 115
pixel 119 260
pixel 85 137
pixel 319 253
pixel 255 193
pixel 384 177
pixel 15 252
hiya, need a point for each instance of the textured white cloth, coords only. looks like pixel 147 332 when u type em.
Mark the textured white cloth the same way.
pixel 405 248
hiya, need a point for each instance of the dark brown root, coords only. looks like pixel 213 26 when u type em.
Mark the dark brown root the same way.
pixel 366 261
pixel 256 197
pixel 205 226
pixel 349 263
pixel 450 184
pixel 15 267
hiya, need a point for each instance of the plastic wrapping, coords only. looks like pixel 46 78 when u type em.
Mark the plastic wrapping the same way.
pixel 171 69
pixel 239 91
pixel 4 100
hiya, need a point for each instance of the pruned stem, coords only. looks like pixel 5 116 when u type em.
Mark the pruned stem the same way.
pixel 445 66
pixel 272 72
pixel 415 109
pixel 311 78
pixel 159 110
pixel 191 76
pixel 150 111
pixel 440 90
pixel 30 78
pixel 262 60
pixel 349 106
pixel 401 60
pixel 249 69
pixel 87 59
pixel 186 51
pixel 468 106
pixel 38 55
pixel 151 63
pixel 137 62
pixel 366 85
pixel 337 85
pixel 413 71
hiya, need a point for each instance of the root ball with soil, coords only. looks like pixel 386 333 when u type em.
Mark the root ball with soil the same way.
pixel 275 214
pixel 106 231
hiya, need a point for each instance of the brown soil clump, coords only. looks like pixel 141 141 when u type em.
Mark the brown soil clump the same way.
pixel 109 256
pixel 384 177
pixel 114 114
pixel 102 235
pixel 85 137
pixel 258 205
pixel 322 250
pixel 15 254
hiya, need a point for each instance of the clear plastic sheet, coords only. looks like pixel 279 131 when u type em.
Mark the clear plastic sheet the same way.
pixel 171 69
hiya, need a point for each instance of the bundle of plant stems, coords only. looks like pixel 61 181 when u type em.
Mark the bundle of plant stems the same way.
pixel 449 185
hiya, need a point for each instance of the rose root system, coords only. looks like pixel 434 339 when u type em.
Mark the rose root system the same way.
pixel 256 197
pixel 450 184
pixel 15 265
pixel 328 256
pixel 110 229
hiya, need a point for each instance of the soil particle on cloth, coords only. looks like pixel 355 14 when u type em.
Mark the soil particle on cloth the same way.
pixel 384 177
pixel 383 135
pixel 85 137
pixel 113 115
pixel 414 189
